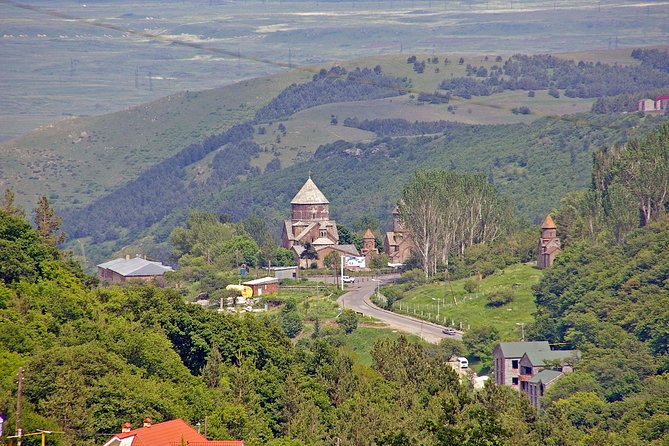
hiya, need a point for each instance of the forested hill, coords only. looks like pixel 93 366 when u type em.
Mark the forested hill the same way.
pixel 535 165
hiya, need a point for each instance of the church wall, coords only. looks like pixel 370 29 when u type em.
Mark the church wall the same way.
pixel 310 212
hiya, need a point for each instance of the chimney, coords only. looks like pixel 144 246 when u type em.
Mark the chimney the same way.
pixel 126 427
pixel 147 422
pixel 127 257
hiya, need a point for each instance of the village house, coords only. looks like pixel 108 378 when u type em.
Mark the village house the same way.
pixel 169 433
pixel 310 225
pixel 263 286
pixel 397 243
pixel 531 367
pixel 506 360
pixel 126 268
pixel 659 105
pixel 549 244
pixel 540 369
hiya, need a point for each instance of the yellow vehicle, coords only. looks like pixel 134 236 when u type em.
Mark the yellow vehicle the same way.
pixel 243 290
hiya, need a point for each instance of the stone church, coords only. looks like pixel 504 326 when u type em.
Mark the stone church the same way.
pixel 549 243
pixel 310 223
pixel 398 244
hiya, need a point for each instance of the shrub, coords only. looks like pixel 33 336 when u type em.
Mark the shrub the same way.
pixel 499 298
pixel 471 286
pixel 348 321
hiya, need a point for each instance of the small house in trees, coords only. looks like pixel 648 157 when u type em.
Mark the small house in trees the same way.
pixel 169 433
pixel 539 370
pixel 659 105
pixel 398 244
pixel 531 367
pixel 126 268
pixel 263 286
pixel 549 243
pixel 506 360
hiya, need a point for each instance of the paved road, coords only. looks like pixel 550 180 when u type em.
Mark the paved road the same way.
pixel 358 299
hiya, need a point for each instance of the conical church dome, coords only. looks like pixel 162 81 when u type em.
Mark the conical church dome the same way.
pixel 309 194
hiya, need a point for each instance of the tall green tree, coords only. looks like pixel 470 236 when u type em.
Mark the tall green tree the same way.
pixel 48 223
pixel 9 204
pixel 446 212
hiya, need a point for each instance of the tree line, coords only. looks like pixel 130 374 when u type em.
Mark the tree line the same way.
pixel 445 212
pixel 577 79
pixel 333 85
pixel 401 127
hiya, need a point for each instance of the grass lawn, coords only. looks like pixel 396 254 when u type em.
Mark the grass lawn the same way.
pixel 456 306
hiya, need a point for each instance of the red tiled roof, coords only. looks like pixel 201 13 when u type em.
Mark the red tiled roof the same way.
pixel 168 433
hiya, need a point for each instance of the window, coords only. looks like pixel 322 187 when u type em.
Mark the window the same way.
pixel 514 364
pixel 514 380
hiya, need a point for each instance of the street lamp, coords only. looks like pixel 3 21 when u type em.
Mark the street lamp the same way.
pixel 434 298
pixel 522 330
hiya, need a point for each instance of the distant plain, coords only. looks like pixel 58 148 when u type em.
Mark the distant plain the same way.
pixel 65 58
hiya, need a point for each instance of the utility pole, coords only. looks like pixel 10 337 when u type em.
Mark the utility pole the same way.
pixel 19 431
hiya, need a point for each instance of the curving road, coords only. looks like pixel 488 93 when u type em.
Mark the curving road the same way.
pixel 358 299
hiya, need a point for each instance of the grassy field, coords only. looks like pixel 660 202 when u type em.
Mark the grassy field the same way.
pixel 471 310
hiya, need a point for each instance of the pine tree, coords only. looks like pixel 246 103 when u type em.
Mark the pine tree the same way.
pixel 9 205
pixel 211 372
pixel 48 223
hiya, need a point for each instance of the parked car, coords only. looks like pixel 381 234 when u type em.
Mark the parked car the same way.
pixel 464 363
pixel 348 279
pixel 448 331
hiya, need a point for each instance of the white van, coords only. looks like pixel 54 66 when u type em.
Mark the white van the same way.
pixel 464 364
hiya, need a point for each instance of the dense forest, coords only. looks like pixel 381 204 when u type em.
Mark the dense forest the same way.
pixel 546 72
pixel 334 85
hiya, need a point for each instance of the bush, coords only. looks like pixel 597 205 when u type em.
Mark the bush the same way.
pixel 471 286
pixel 415 276
pixel 530 94
pixel 523 110
pixel 348 321
pixel 500 298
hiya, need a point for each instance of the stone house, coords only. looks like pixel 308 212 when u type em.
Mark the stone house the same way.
pixel 263 286
pixel 506 360
pixel 540 369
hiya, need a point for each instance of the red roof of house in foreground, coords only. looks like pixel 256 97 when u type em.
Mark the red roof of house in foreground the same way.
pixel 168 433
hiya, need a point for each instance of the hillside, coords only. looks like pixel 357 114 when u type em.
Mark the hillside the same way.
pixel 79 159
pixel 247 148
pixel 460 308
pixel 534 164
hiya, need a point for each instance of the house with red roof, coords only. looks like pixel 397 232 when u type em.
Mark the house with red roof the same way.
pixel 169 433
